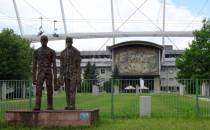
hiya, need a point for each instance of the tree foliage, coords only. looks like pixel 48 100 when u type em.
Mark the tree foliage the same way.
pixel 93 72
pixel 15 56
pixel 87 71
pixel 90 73
pixel 195 62
pixel 90 78
pixel 115 76
pixel 115 73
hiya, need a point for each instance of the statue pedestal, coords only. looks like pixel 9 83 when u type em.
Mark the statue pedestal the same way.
pixel 53 118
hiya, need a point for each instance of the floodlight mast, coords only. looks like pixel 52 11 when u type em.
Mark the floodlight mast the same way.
pixel 163 30
pixel 164 9
pixel 18 17
pixel 63 17
pixel 113 27
pixel 113 34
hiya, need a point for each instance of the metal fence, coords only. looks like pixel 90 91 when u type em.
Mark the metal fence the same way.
pixel 15 94
pixel 118 98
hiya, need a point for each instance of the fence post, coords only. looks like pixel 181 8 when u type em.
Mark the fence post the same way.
pixel 24 90
pixel 30 95
pixel 197 103
pixel 112 100
pixel 145 106
pixel 156 84
pixel 4 91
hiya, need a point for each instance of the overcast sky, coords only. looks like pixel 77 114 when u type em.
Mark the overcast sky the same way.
pixel 95 16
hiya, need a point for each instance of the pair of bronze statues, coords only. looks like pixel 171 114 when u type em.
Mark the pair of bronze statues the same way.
pixel 44 69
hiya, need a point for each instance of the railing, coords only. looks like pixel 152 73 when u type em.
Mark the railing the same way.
pixel 118 98
pixel 15 89
pixel 15 94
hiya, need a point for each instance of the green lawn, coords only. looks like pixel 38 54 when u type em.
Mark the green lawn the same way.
pixel 169 111
pixel 132 124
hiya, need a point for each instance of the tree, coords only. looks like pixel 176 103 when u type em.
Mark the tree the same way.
pixel 94 74
pixel 115 73
pixel 15 56
pixel 115 76
pixel 90 72
pixel 195 61
pixel 87 72
pixel 90 78
pixel 114 81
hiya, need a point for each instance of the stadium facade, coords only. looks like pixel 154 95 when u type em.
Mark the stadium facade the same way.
pixel 135 59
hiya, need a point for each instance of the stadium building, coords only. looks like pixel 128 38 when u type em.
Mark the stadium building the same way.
pixel 135 59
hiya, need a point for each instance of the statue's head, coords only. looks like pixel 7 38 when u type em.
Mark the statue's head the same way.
pixel 69 41
pixel 44 40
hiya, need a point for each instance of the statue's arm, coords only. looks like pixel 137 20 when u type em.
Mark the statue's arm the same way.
pixel 54 67
pixel 34 69
pixel 79 68
pixel 61 68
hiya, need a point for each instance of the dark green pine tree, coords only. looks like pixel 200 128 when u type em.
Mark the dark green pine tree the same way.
pixel 87 72
pixel 115 76
pixel 94 74
pixel 115 73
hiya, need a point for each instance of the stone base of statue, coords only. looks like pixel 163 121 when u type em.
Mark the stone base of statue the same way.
pixel 52 118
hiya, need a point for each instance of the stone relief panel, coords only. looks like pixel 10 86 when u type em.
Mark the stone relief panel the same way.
pixel 137 60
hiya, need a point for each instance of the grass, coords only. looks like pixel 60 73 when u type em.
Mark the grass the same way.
pixel 169 111
pixel 132 124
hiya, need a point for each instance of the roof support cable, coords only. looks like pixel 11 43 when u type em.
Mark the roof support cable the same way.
pixel 55 29
pixel 41 30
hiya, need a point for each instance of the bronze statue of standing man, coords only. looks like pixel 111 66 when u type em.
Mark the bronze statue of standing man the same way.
pixel 44 69
pixel 70 72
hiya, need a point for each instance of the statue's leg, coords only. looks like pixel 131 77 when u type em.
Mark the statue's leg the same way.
pixel 67 85
pixel 40 81
pixel 72 94
pixel 49 91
